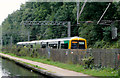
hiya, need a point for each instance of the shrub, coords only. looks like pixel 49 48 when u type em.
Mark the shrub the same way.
pixel 88 62
pixel 23 52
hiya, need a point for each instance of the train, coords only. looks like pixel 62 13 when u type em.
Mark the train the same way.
pixel 60 43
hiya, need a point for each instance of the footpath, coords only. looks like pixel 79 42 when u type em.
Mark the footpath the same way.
pixel 49 69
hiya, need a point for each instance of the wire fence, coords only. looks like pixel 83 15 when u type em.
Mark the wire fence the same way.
pixel 101 57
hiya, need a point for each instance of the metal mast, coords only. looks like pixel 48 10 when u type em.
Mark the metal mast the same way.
pixel 79 13
pixel 104 13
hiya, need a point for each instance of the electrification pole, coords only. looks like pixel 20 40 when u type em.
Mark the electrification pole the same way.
pixel 69 29
pixel 78 11
pixel 104 13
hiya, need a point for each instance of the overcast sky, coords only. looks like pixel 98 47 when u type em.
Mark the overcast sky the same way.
pixel 9 6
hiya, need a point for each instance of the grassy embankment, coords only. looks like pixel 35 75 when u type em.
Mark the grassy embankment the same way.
pixel 78 68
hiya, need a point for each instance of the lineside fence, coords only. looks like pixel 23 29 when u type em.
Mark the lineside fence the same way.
pixel 100 57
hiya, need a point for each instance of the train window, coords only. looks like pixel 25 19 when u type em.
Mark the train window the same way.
pixel 64 46
pixel 31 46
pixel 81 44
pixel 43 45
pixel 53 45
pixel 50 45
pixel 74 44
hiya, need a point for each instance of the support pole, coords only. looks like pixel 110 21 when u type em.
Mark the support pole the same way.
pixel 69 29
pixel 78 11
pixel 82 9
pixel 104 13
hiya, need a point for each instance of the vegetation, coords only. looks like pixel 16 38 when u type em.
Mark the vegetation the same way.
pixel 87 68
pixel 89 62
pixel 99 72
pixel 31 64
pixel 98 36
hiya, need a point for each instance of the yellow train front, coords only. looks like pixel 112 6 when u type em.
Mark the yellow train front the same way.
pixel 77 43
pixel 60 43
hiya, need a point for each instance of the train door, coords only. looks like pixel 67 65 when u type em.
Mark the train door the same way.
pixel 59 46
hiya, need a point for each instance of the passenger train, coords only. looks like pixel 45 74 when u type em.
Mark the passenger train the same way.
pixel 60 43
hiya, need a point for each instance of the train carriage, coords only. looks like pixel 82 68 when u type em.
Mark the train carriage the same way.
pixel 61 43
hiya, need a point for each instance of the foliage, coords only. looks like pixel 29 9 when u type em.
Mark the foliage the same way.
pixel 23 52
pixel 37 46
pixel 61 11
pixel 78 68
pixel 107 33
pixel 88 61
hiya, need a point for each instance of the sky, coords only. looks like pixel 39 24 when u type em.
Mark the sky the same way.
pixel 8 7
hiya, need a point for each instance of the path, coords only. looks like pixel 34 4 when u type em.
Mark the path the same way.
pixel 53 69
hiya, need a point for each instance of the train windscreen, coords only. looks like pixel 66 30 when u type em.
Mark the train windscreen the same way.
pixel 77 44
pixel 81 44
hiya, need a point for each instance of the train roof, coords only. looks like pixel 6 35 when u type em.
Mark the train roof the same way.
pixel 59 39
pixel 49 40
pixel 24 42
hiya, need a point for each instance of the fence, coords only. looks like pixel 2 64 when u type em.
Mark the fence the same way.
pixel 102 57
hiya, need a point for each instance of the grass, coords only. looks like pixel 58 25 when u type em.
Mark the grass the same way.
pixel 33 65
pixel 74 67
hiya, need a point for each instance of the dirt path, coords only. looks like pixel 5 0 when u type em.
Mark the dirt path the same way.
pixel 49 68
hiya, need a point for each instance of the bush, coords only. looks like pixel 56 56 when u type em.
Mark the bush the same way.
pixel 88 62
pixel 23 52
